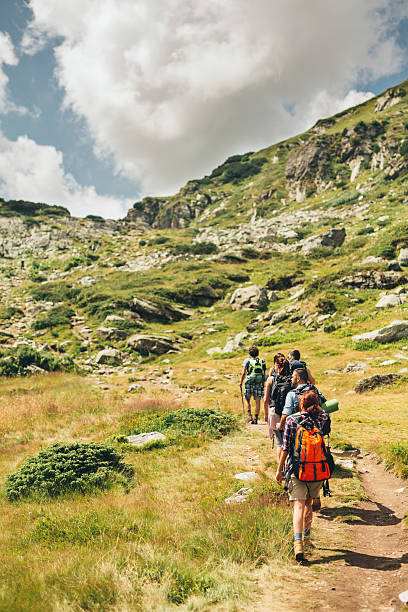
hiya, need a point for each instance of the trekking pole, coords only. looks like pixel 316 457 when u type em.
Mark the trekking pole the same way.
pixel 242 402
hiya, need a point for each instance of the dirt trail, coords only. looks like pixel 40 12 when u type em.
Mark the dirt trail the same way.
pixel 360 563
pixel 373 561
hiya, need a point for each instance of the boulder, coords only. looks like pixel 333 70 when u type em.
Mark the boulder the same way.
pixel 114 318
pixel 146 344
pixel 107 333
pixel 152 311
pixel 233 345
pixel 109 356
pixel 355 366
pixel 142 439
pixel 392 332
pixel 388 301
pixel 333 238
pixel 247 476
pixel 253 297
pixel 378 380
pixel 239 497
pixel 403 257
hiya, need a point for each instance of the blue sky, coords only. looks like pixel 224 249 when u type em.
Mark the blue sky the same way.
pixel 105 102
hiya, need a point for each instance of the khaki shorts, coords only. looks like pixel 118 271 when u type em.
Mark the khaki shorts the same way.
pixel 303 490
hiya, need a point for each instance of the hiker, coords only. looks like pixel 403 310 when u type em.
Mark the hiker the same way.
pixel 300 384
pixel 277 387
pixel 253 372
pixel 303 438
pixel 295 363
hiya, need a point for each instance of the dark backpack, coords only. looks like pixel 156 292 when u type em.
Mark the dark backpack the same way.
pixel 256 368
pixel 300 392
pixel 297 365
pixel 280 388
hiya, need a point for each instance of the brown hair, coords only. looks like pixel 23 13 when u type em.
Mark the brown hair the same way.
pixel 281 364
pixel 254 351
pixel 309 402
pixel 302 374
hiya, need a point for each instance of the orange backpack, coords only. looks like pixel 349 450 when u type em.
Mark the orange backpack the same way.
pixel 312 460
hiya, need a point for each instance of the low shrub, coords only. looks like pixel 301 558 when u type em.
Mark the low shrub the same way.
pixel 9 312
pixel 63 468
pixel 211 421
pixel 366 345
pixel 60 315
pixel 16 361
pixel 397 458
pixel 387 242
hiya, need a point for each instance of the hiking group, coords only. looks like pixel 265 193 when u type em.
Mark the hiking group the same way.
pixel 297 423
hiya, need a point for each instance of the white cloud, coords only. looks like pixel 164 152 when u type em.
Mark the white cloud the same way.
pixel 36 173
pixel 171 87
pixel 8 57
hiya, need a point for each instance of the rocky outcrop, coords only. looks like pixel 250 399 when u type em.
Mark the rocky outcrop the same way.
pixel 305 167
pixel 391 333
pixel 403 257
pixel 378 380
pixel 333 238
pixel 372 279
pixel 389 99
pixel 171 213
pixel 253 297
pixel 154 311
pixel 146 344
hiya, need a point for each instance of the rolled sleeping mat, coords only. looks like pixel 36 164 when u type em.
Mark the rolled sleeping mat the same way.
pixel 330 406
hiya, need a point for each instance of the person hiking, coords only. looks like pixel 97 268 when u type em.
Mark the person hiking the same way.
pixel 277 387
pixel 295 363
pixel 300 384
pixel 253 372
pixel 303 437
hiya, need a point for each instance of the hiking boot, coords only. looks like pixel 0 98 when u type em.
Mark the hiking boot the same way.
pixel 298 548
pixel 255 420
pixel 316 504
pixel 249 417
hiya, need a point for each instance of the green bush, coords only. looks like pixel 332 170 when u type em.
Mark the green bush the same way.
pixel 210 421
pixel 9 312
pixel 387 243
pixel 397 458
pixel 16 361
pixel 59 315
pixel 64 468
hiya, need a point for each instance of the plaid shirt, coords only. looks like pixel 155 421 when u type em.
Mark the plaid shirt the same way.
pixel 322 421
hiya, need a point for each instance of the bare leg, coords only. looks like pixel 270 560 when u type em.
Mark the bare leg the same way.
pixel 298 515
pixel 257 405
pixel 308 514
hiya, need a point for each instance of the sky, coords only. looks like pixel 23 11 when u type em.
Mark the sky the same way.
pixel 105 101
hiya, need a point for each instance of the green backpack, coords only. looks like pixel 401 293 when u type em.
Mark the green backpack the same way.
pixel 256 370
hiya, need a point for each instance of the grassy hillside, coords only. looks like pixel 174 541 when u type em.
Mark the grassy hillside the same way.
pixel 167 540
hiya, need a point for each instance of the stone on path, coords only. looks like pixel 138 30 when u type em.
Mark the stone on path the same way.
pixel 345 463
pixel 239 497
pixel 247 476
pixel 404 597
pixel 142 439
